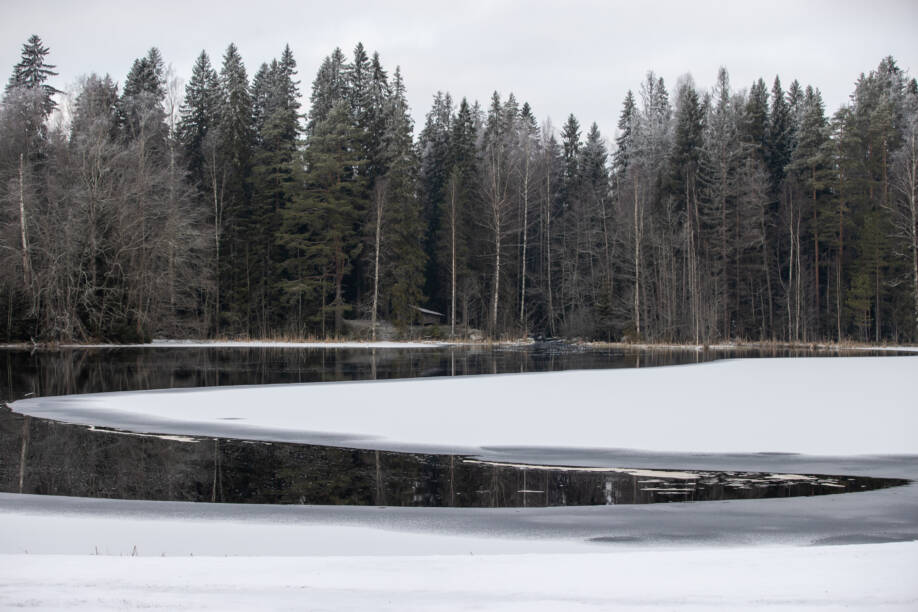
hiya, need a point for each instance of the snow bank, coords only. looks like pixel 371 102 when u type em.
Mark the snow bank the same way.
pixel 862 577
pixel 829 406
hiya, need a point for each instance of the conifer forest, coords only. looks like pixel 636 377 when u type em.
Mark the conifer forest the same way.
pixel 223 207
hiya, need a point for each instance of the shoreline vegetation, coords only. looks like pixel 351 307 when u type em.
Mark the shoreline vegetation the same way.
pixel 573 343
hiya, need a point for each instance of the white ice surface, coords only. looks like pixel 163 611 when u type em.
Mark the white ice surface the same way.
pixel 858 577
pixel 828 406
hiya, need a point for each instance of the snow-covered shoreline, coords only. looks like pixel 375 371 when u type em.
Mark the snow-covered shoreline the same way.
pixel 821 406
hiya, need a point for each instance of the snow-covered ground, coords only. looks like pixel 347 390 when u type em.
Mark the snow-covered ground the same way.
pixel 749 555
pixel 865 577
pixel 831 406
pixel 95 553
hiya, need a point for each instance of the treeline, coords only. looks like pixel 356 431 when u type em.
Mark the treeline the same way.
pixel 225 210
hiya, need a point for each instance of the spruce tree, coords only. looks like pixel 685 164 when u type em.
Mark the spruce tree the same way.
pixel 403 277
pixel 685 177
pixel 755 133
pixel 570 143
pixel 374 121
pixel 30 98
pixel 457 236
pixel 434 146
pixel 597 230
pixel 32 72
pixel 199 117
pixel 329 87
pixel 780 135
pixel 810 169
pixel 141 105
pixel 319 226
pixel 625 139
pixel 724 217
pixel 236 140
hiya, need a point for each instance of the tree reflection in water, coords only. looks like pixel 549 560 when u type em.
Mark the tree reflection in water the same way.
pixel 50 458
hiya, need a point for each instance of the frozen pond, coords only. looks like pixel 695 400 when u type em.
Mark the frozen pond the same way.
pixel 48 457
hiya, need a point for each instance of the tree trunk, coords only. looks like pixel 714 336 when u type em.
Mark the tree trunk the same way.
pixel 525 237
pixel 790 273
pixel 452 246
pixel 551 310
pixel 767 269
pixel 724 255
pixel 637 261
pixel 912 186
pixel 218 220
pixel 339 289
pixel 26 259
pixel 380 200
pixel 496 276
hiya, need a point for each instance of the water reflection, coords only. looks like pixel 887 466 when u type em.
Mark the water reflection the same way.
pixel 50 458
pixel 67 371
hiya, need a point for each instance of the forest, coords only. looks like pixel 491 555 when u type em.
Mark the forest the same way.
pixel 221 207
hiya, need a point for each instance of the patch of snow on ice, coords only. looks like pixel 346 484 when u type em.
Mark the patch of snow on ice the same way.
pixel 859 405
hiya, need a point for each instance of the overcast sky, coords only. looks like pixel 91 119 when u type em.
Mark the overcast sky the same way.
pixel 561 57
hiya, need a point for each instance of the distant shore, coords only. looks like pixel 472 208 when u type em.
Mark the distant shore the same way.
pixel 418 344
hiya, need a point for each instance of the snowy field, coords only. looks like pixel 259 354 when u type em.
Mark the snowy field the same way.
pixel 847 415
pixel 868 577
pixel 110 554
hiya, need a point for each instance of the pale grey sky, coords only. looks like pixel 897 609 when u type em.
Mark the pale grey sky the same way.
pixel 562 57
